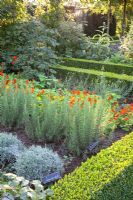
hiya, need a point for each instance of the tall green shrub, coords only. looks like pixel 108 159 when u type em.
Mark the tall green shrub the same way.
pixel 34 45
pixel 74 43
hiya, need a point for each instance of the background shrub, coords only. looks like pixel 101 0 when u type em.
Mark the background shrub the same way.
pixel 74 43
pixel 37 162
pixel 33 44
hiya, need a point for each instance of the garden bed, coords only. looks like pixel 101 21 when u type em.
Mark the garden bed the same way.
pixel 72 161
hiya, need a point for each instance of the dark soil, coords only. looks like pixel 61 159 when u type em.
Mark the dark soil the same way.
pixel 71 162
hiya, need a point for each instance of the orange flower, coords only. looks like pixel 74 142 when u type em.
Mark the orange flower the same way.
pixel 72 101
pixel 95 100
pixel 123 111
pixel 89 99
pixel 85 92
pixel 14 81
pixel 73 92
pixel 27 82
pixel 41 92
pixel 1 73
pixel 109 98
pixel 32 90
pixel 115 118
pixel 131 107
pixel 126 118
pixel 78 92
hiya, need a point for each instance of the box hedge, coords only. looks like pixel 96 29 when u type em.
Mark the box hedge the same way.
pixel 99 65
pixel 64 71
pixel 106 176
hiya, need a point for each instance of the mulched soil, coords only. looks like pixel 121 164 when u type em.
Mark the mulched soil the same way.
pixel 71 162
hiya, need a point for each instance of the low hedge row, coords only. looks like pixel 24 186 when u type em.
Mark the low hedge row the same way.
pixel 107 176
pixel 99 65
pixel 63 71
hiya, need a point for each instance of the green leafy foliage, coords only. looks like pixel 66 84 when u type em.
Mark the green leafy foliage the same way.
pixel 15 187
pixel 120 57
pixel 12 107
pixel 74 43
pixel 37 162
pixel 12 11
pixel 77 126
pixel 88 124
pixel 33 44
pixel 105 176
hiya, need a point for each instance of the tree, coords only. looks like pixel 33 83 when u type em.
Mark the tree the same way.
pixel 12 11
pixel 122 9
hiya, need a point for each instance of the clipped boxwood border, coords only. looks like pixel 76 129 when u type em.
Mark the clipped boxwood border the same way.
pixel 64 71
pixel 99 65
pixel 106 176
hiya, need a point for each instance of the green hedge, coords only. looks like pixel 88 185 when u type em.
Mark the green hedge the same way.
pixel 107 176
pixel 64 71
pixel 99 65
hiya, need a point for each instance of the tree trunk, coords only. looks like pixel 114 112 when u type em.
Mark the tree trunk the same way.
pixel 124 17
pixel 109 16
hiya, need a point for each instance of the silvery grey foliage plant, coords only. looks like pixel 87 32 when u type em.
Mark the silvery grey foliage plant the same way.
pixel 10 149
pixel 37 162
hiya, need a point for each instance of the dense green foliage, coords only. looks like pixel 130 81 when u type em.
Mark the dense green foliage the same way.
pixel 15 187
pixel 32 43
pixel 105 176
pixel 98 65
pixel 77 121
pixel 12 11
pixel 74 43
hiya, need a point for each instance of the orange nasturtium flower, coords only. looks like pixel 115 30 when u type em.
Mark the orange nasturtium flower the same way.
pixel 32 90
pixel 72 101
pixel 14 81
pixel 123 111
pixel 1 73
pixel 131 107
pixel 109 98
pixel 41 92
pixel 27 82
